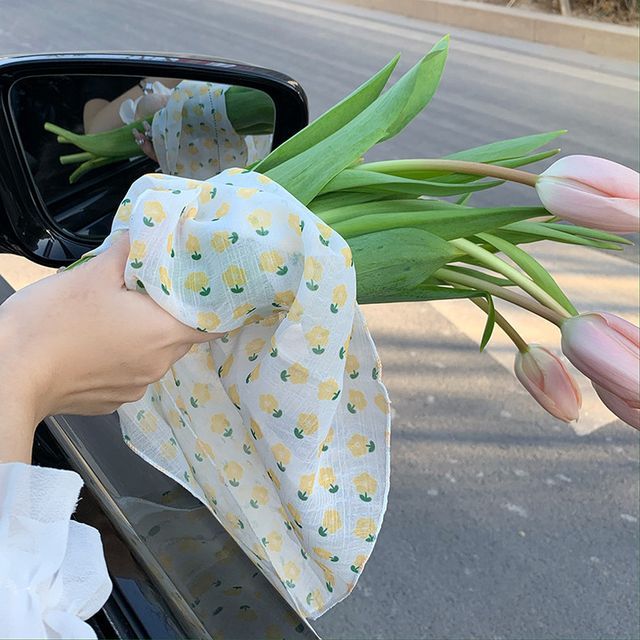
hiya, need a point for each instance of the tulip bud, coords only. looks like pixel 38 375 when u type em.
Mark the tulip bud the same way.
pixel 547 379
pixel 616 405
pixel 606 349
pixel 592 192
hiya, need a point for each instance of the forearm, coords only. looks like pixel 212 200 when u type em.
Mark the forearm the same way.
pixel 18 413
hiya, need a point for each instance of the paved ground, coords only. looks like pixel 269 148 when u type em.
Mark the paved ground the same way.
pixel 502 523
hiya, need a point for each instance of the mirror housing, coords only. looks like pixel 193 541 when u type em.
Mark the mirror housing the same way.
pixel 26 227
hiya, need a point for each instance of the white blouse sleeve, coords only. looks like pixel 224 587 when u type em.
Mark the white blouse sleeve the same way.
pixel 53 574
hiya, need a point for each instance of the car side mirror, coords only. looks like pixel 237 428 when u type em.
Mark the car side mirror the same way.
pixel 77 129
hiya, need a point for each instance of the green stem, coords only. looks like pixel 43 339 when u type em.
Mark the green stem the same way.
pixel 504 324
pixel 74 158
pixel 519 300
pixel 497 264
pixel 453 166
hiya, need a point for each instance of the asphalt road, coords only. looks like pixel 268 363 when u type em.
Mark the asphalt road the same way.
pixel 501 522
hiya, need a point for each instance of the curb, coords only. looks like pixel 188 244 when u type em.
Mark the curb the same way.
pixel 573 33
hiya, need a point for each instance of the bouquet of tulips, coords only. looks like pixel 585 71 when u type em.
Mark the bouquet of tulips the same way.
pixel 250 112
pixel 410 243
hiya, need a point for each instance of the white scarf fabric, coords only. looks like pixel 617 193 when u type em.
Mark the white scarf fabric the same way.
pixel 281 427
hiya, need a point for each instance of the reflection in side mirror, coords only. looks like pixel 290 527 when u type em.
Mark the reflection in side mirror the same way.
pixel 87 138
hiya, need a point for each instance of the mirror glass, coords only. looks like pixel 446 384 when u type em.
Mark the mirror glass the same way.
pixel 87 138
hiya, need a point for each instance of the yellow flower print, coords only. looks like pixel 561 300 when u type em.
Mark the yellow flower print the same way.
pixel 306 426
pixel 305 488
pixel 203 450
pixel 328 576
pixel 327 479
pixel 284 299
pixel 220 424
pixel 195 165
pixel 234 473
pixel 295 311
pixel 325 554
pixel 348 258
pixel 153 213
pixel 124 210
pixel 207 193
pixel 382 403
pixel 365 529
pixel 259 551
pixel 137 252
pixel 273 262
pixel 270 405
pixel 193 247
pixel 200 395
pixel 175 419
pixel 220 241
pixel 190 213
pixel 312 273
pixel 274 478
pixel 271 320
pixel 235 522
pixel 253 375
pixel 234 396
pixel 243 310
pixel 295 515
pixel 198 281
pixel 358 563
pixel 224 369
pixel 259 496
pixel 352 367
pixel 207 320
pixel 282 456
pixel 328 390
pixel 170 250
pixel 165 281
pixel 148 421
pixel 246 192
pixel 296 374
pixel 316 598
pixel 327 441
pixel 253 348
pixel 344 348
pixel 222 211
pixel 168 451
pixel 181 405
pixel 317 338
pixel 357 401
pixel 263 179
pixel 234 277
pixel 255 429
pixel 325 233
pixel 291 573
pixel 366 486
pixel 273 541
pixel 359 446
pixel 331 522
pixel 338 298
pixel 260 220
pixel 295 223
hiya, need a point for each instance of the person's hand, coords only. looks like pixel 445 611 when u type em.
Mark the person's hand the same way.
pixel 80 342
pixel 144 141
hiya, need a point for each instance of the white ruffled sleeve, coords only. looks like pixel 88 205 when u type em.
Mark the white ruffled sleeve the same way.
pixel 53 574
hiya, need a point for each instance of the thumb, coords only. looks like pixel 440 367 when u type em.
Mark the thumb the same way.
pixel 114 259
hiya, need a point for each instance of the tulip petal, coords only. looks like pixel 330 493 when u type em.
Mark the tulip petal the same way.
pixel 625 412
pixel 606 176
pixel 583 206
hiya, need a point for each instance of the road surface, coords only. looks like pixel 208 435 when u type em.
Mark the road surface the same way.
pixel 502 523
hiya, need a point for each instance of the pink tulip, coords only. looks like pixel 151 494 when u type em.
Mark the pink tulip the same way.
pixel 592 192
pixel 624 411
pixel 546 378
pixel 606 349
